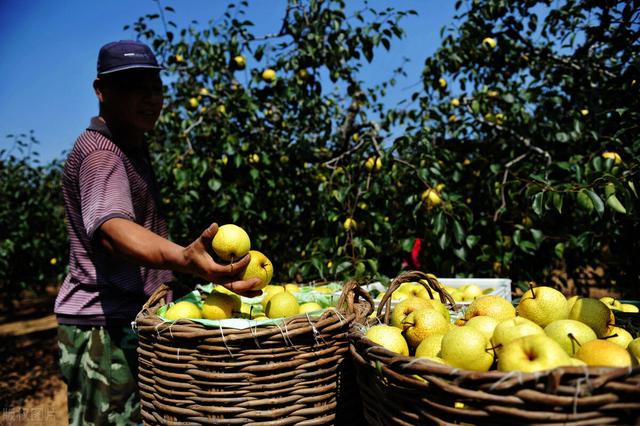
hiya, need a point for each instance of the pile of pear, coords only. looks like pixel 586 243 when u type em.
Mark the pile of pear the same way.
pixel 544 331
pixel 463 293
pixel 278 301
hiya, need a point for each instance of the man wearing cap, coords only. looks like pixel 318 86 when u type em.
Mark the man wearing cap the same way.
pixel 119 251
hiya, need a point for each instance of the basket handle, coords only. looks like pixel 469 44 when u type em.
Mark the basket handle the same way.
pixel 160 295
pixel 351 296
pixel 429 281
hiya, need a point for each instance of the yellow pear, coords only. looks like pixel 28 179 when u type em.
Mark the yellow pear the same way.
pixel 282 305
pixel 575 362
pixel 634 349
pixel 430 346
pixel 570 334
pixel 440 307
pixel 611 302
pixel 184 309
pixel 484 324
pixel 535 352
pixel 373 163
pixel 218 306
pixel 465 347
pixel 619 336
pixel 412 289
pixel 239 61
pixel 570 301
pixel 269 75
pixel 604 353
pixel 389 337
pixel 422 323
pixel 405 307
pixel 269 291
pixel 309 307
pixel 259 267
pixel 543 305
pixel 292 288
pixel 470 292
pixel 237 302
pixel 489 42
pixel 594 313
pixel 492 306
pixel 435 359
pixel 231 242
pixel 512 329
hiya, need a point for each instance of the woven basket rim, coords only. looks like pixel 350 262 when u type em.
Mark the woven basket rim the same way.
pixel 355 303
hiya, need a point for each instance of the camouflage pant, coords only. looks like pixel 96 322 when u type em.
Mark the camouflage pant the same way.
pixel 100 367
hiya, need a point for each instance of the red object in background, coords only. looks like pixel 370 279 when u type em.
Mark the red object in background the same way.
pixel 413 262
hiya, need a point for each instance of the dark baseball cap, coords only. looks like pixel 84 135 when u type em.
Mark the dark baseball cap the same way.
pixel 125 55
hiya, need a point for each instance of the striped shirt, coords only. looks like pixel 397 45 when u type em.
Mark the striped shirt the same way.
pixel 101 181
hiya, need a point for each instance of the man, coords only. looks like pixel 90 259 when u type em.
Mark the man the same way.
pixel 119 251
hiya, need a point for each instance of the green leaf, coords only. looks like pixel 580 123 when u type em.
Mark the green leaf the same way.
pixel 584 200
pixel 528 247
pixel 559 250
pixel 461 252
pixel 615 204
pixel 597 201
pixel 407 244
pixel 438 223
pixel 633 188
pixel 538 203
pixel 458 232
pixel 556 197
pixel 537 235
pixel 472 240
pixel 444 241
pixel 214 184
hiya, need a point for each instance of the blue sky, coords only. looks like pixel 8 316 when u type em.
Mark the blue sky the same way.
pixel 49 52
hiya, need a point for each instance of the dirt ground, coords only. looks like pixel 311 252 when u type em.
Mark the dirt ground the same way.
pixel 32 392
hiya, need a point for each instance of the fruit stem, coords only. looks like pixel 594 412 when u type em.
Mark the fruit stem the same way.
pixel 609 337
pixel 574 341
pixel 533 294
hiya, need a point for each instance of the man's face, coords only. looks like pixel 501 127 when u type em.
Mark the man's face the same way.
pixel 132 97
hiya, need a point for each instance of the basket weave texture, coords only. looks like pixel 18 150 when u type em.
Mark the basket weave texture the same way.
pixel 405 390
pixel 296 373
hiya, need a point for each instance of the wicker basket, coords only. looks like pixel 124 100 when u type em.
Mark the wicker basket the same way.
pixel 406 390
pixel 298 372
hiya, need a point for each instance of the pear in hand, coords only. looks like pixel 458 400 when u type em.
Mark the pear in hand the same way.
pixel 259 267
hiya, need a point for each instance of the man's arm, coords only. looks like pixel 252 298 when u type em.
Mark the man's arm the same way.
pixel 134 243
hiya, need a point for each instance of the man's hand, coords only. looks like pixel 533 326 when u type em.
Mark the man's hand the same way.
pixel 200 262
pixel 131 242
